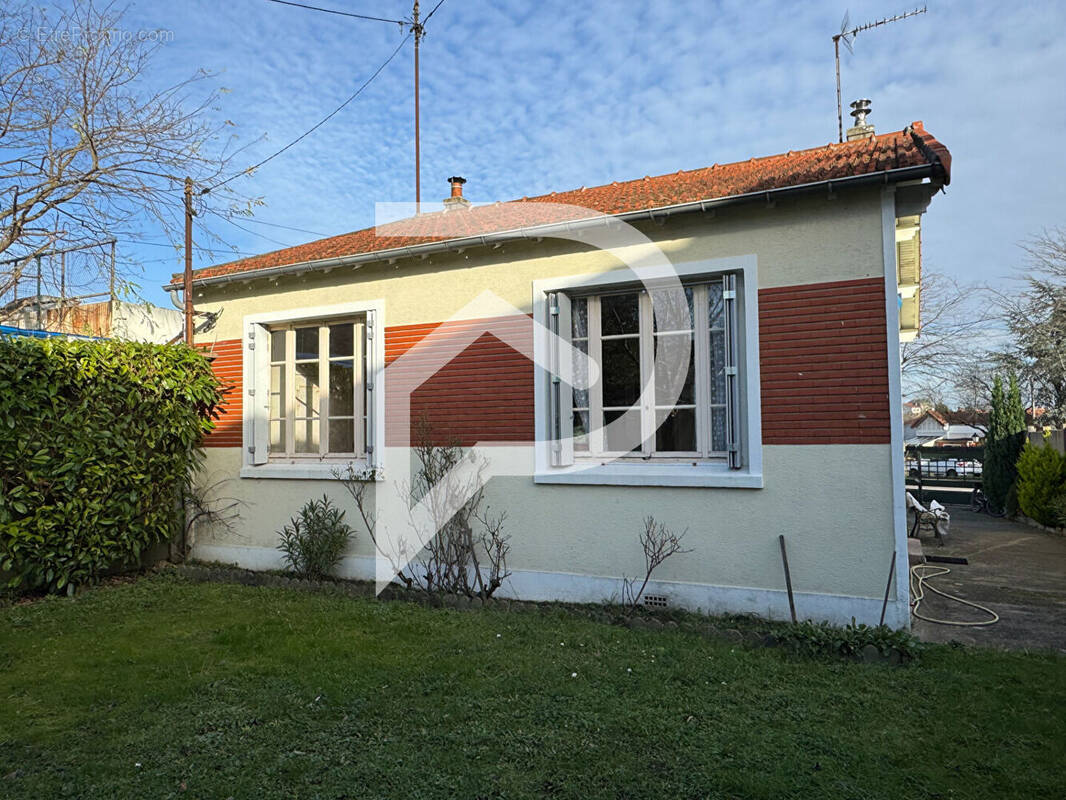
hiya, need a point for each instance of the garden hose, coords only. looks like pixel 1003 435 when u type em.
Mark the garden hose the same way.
pixel 919 585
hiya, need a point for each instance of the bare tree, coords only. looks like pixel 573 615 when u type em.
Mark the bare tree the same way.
pixel 1036 318
pixel 203 505
pixel 954 318
pixel 86 150
pixel 659 543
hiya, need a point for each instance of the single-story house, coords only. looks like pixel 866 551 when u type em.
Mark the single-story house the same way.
pixel 538 327
pixel 926 429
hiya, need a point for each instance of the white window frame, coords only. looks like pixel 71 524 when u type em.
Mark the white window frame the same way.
pixel 256 461
pixel 555 463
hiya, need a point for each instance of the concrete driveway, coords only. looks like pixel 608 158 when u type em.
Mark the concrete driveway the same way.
pixel 1017 571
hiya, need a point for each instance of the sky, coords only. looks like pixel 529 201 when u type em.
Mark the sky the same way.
pixel 524 98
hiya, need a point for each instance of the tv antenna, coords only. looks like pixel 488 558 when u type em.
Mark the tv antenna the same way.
pixel 846 35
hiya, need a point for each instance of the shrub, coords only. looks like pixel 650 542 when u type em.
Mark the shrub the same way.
pixel 97 443
pixel 314 540
pixel 823 639
pixel 1041 479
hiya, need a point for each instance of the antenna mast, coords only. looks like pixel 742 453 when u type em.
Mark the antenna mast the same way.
pixel 416 29
pixel 845 36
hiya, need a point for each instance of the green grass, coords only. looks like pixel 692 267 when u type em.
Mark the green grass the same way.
pixel 164 688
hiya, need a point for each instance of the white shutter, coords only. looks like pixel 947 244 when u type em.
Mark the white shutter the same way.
pixel 259 393
pixel 560 383
pixel 370 331
pixel 732 378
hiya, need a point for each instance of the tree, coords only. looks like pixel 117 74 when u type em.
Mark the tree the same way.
pixel 86 151
pixel 1004 441
pixel 947 346
pixel 1036 319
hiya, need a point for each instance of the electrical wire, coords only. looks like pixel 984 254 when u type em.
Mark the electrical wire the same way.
pixel 920 582
pixel 434 11
pixel 318 125
pixel 338 13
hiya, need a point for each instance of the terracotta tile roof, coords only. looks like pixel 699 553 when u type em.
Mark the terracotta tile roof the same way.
pixel 911 147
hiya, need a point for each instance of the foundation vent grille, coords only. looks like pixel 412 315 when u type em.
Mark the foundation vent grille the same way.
pixel 655 601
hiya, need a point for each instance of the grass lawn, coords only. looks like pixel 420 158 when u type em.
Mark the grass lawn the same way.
pixel 163 688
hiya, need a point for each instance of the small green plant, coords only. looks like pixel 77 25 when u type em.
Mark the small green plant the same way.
pixel 823 639
pixel 314 540
pixel 1041 480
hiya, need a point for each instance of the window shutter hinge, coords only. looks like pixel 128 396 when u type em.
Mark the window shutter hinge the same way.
pixel 729 294
pixel 370 386
pixel 251 392
pixel 369 449
pixel 730 370
pixel 251 450
pixel 251 345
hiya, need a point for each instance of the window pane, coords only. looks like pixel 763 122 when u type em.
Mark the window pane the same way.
pixel 621 372
pixel 277 389
pixel 341 436
pixel 341 389
pixel 306 435
pixel 672 309
pixel 619 313
pixel 341 340
pixel 718 429
pixel 307 343
pixel 676 431
pixel 717 367
pixel 675 369
pixel 579 317
pixel 621 431
pixel 307 390
pixel 581 396
pixel 715 305
pixel 581 430
pixel 277 436
pixel 277 345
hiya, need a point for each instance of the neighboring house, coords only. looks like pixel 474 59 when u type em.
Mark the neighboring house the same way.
pixel 788 421
pixel 926 429
pixel 960 435
pixel 117 319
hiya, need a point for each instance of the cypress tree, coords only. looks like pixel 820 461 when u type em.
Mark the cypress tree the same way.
pixel 1004 441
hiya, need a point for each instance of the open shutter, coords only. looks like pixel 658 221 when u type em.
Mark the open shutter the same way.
pixel 732 377
pixel 259 393
pixel 561 394
pixel 370 332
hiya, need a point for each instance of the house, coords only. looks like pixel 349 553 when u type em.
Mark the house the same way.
pixel 118 319
pixel 537 329
pixel 926 429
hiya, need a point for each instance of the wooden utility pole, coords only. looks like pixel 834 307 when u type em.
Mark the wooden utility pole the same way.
pixel 416 29
pixel 187 283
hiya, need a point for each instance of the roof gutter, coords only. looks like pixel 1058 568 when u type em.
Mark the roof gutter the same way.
pixel 541 231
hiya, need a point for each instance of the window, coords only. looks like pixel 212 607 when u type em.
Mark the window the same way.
pixel 667 372
pixel 314 382
pixel 650 384
pixel 317 385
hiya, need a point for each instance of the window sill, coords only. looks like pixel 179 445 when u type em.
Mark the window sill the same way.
pixel 644 474
pixel 315 471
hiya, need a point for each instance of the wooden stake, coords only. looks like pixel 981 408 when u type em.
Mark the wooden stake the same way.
pixel 888 588
pixel 788 578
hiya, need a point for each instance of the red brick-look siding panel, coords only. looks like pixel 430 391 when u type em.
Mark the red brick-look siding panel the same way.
pixel 823 352
pixel 482 393
pixel 227 365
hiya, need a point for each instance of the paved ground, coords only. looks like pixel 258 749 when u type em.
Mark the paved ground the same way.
pixel 1017 571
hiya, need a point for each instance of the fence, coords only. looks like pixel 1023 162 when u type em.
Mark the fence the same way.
pixel 1056 438
pixel 49 291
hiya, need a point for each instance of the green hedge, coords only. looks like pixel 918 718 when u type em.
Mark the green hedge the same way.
pixel 97 441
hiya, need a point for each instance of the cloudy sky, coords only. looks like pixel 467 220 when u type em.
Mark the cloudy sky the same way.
pixel 528 97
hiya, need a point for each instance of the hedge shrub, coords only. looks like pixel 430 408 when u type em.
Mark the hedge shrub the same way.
pixel 1041 483
pixel 97 442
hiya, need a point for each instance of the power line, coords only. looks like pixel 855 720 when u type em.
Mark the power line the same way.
pixel 338 13
pixel 434 11
pixel 246 230
pixel 283 227
pixel 318 125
